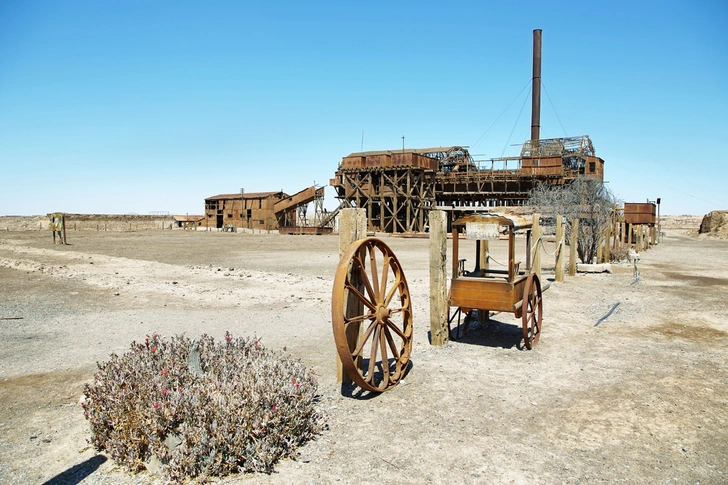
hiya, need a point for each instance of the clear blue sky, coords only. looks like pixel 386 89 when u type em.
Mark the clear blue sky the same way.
pixel 139 106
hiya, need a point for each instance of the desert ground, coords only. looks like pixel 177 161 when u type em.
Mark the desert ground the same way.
pixel 640 398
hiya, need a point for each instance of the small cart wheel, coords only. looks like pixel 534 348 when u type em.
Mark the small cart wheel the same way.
pixel 371 315
pixel 532 311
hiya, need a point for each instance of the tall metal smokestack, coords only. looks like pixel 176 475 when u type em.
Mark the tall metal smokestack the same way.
pixel 536 88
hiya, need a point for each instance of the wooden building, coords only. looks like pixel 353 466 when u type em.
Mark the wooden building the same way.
pixel 254 210
pixel 188 222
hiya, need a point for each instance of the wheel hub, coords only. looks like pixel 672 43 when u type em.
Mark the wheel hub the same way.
pixel 383 314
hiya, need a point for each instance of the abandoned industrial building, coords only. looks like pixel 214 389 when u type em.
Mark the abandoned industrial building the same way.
pixel 399 187
pixel 269 211
pixel 251 211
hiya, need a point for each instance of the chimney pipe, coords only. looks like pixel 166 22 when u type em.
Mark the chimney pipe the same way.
pixel 536 88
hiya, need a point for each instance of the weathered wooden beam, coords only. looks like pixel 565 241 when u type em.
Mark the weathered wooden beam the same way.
pixel 560 248
pixel 438 278
pixel 352 227
pixel 573 244
pixel 535 241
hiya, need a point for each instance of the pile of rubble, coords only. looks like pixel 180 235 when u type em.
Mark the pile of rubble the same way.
pixel 715 224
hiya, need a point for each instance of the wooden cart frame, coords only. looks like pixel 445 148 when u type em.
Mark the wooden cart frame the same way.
pixel 488 290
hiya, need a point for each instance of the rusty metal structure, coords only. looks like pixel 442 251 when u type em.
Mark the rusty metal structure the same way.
pixel 398 188
pixel 486 289
pixel 292 213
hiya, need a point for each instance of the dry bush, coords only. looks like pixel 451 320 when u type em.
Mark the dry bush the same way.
pixel 619 254
pixel 201 408
pixel 585 198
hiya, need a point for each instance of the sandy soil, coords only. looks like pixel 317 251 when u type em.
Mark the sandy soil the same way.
pixel 640 398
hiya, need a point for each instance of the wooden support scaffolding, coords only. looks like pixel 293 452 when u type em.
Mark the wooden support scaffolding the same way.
pixel 399 188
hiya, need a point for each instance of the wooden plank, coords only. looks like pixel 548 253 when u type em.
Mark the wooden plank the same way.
pixel 438 278
pixel 535 249
pixel 573 244
pixel 352 227
pixel 486 293
pixel 560 248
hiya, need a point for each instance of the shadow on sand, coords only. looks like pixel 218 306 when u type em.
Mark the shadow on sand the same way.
pixel 77 473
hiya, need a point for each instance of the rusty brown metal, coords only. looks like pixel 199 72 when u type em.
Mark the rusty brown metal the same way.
pixel 375 356
pixel 639 213
pixel 536 87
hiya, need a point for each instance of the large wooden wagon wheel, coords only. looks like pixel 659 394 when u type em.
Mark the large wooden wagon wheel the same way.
pixel 531 311
pixel 371 314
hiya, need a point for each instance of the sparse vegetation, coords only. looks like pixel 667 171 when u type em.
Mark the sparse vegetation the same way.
pixel 586 198
pixel 201 408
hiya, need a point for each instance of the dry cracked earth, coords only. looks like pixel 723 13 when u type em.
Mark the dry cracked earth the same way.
pixel 640 398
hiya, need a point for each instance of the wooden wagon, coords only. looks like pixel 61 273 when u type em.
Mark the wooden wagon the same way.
pixel 485 289
pixel 371 308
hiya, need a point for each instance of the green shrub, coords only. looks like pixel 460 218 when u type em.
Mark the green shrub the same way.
pixel 201 408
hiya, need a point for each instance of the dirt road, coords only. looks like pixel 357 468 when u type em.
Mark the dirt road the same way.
pixel 640 398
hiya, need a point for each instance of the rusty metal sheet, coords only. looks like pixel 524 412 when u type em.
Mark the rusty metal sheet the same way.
pixel 379 160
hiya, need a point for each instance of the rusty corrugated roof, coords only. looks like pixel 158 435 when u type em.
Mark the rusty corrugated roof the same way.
pixel 408 150
pixel 248 195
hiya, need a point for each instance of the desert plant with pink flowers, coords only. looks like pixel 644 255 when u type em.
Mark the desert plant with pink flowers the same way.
pixel 201 408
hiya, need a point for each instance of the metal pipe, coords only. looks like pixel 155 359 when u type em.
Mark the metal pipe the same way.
pixel 536 87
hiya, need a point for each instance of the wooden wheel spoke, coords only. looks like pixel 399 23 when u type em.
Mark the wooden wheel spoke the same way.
pixel 396 329
pixel 390 341
pixel 357 319
pixel 365 279
pixel 373 269
pixel 385 274
pixel 392 291
pixel 359 296
pixel 385 358
pixel 373 354
pixel 364 339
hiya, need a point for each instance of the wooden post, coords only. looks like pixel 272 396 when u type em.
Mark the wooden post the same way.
pixel 606 255
pixel 628 230
pixel 455 250
pixel 483 256
pixel 560 248
pixel 646 228
pixel 574 242
pixel 511 254
pixel 535 237
pixel 438 278
pixel 599 252
pixel 638 237
pixel 352 227
pixel 619 236
pixel 646 237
